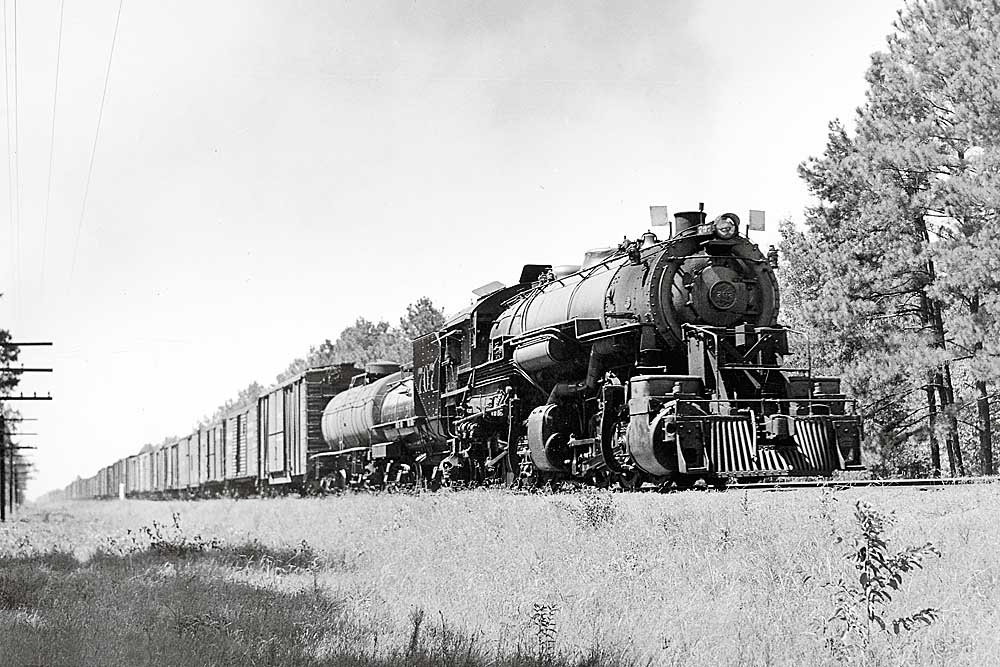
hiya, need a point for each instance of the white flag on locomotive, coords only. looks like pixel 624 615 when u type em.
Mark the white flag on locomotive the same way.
pixel 658 216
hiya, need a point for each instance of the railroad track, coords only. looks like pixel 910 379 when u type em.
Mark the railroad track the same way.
pixel 848 483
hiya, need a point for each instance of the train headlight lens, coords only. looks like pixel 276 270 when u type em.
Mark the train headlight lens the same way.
pixel 725 228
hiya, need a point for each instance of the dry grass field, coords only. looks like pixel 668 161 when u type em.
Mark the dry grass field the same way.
pixel 493 578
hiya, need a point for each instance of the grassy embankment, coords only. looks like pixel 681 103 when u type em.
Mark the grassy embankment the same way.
pixel 490 578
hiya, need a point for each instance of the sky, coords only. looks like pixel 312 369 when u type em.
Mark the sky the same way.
pixel 266 172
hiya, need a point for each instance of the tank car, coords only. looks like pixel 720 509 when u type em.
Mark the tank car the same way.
pixel 652 361
pixel 373 433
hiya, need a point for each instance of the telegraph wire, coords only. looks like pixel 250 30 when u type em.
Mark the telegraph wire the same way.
pixel 52 143
pixel 97 134
pixel 17 159
pixel 17 130
pixel 11 209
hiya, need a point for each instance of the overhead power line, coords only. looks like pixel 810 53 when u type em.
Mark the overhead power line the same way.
pixel 97 134
pixel 11 170
pixel 17 147
pixel 52 145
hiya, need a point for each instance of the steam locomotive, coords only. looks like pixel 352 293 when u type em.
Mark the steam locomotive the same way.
pixel 651 362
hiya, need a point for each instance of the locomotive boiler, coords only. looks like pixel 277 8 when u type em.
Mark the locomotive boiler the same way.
pixel 652 361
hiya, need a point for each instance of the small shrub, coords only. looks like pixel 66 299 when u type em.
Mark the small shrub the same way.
pixel 282 560
pixel 171 540
pixel 543 618
pixel 157 540
pixel 861 608
pixel 592 510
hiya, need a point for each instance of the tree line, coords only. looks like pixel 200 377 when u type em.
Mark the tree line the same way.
pixel 362 342
pixel 895 273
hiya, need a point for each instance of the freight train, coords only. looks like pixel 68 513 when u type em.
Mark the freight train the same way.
pixel 653 362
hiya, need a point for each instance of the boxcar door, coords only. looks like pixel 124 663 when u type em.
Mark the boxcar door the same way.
pixel 290 406
pixel 221 430
pixel 240 451
pixel 175 464
pixel 276 461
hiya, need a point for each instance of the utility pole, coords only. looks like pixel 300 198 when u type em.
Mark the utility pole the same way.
pixel 20 468
pixel 3 465
pixel 13 470
pixel 13 477
pixel 8 448
pixel 5 442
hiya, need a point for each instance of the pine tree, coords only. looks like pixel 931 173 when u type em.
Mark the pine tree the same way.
pixel 906 233
pixel 863 283
pixel 366 341
pixel 8 355
pixel 421 317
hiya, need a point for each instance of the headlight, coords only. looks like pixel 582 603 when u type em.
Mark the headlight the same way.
pixel 725 227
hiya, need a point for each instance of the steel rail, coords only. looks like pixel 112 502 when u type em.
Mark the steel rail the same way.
pixel 850 483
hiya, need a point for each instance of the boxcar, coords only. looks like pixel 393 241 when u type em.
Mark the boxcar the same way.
pixel 289 419
pixel 159 471
pixel 242 467
pixel 190 474
pixel 132 476
pixel 145 472
pixel 169 471
pixel 266 443
pixel 119 478
pixel 179 467
pixel 212 452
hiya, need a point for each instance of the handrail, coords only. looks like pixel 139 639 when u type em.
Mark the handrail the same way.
pixel 757 401
pixel 809 357
pixel 712 331
pixel 715 339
